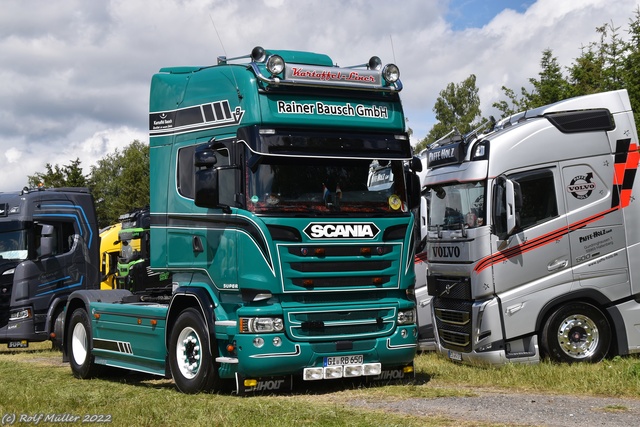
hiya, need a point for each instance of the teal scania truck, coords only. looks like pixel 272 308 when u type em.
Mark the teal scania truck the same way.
pixel 281 195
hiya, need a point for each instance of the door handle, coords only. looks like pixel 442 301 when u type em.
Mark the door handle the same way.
pixel 197 244
pixel 557 265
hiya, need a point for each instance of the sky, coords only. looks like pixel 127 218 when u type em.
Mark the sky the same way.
pixel 75 74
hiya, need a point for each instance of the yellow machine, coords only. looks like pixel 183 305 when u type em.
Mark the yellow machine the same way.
pixel 109 251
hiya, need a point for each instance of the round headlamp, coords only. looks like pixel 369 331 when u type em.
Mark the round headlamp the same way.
pixel 275 64
pixel 391 73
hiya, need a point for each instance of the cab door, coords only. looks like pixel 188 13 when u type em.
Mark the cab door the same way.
pixel 534 256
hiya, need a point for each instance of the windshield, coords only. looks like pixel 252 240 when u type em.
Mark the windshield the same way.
pixel 13 244
pixel 281 184
pixel 457 205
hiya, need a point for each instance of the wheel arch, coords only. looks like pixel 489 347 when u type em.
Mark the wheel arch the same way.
pixel 56 305
pixel 599 301
pixel 83 299
pixel 192 297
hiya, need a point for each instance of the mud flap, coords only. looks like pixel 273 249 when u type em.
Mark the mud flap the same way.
pixel 396 374
pixel 246 386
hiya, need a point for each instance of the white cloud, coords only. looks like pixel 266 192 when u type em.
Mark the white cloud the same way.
pixel 76 74
pixel 13 155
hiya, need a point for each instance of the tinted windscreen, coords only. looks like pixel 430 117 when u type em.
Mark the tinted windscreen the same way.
pixel 279 184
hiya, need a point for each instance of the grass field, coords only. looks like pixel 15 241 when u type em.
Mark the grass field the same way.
pixel 35 382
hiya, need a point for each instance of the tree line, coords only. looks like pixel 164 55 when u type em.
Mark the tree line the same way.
pixel 120 181
pixel 611 63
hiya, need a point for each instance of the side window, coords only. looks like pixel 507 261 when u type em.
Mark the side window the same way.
pixel 54 238
pixel 539 202
pixel 185 175
pixel 186 172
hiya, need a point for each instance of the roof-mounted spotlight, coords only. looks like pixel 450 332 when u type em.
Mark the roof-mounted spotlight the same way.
pixel 275 64
pixel 374 63
pixel 258 54
pixel 391 73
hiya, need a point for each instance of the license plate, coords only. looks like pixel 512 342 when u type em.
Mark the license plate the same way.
pixel 355 359
pixel 454 355
pixel 18 344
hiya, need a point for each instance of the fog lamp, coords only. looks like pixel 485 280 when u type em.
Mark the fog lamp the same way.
pixel 353 371
pixel 333 372
pixel 312 374
pixel 372 368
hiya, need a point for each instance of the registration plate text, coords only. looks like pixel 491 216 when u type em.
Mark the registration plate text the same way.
pixel 355 359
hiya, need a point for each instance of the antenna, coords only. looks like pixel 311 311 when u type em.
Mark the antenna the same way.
pixel 393 52
pixel 225 54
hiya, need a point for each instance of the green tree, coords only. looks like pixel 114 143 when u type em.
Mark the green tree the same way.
pixel 120 182
pixel 514 103
pixel 631 68
pixel 612 51
pixel 550 87
pixel 458 106
pixel 59 176
pixel 585 74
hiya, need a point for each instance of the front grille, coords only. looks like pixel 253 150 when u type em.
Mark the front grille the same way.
pixel 449 287
pixel 455 340
pixel 454 322
pixel 341 324
pixel 340 267
pixel 453 316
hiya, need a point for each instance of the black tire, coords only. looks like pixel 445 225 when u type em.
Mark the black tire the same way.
pixel 192 365
pixel 79 345
pixel 576 332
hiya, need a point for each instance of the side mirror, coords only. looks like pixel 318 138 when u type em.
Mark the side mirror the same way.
pixel 416 164
pixel 413 189
pixel 514 205
pixel 47 241
pixel 424 216
pixel 206 188
pixel 507 203
pixel 205 158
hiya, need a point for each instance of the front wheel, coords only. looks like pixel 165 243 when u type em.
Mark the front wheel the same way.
pixel 191 361
pixel 576 332
pixel 79 344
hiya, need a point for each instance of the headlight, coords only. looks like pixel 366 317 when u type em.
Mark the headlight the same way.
pixel 391 73
pixel 406 317
pixel 275 64
pixel 23 313
pixel 256 325
pixel 9 271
